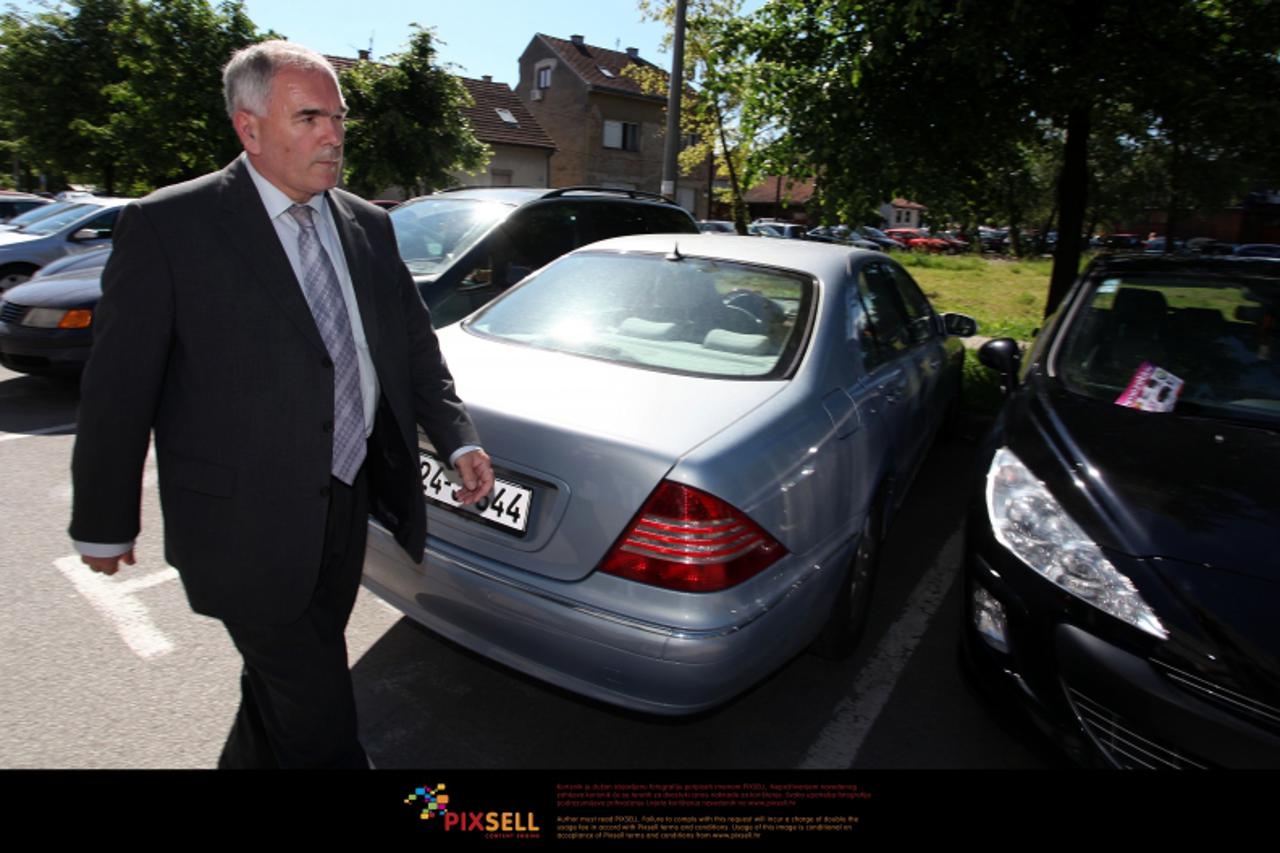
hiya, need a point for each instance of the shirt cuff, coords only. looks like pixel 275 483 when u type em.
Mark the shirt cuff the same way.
pixel 460 452
pixel 99 549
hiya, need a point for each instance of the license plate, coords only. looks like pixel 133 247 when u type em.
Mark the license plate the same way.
pixel 507 505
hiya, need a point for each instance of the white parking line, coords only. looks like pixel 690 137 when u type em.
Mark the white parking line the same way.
pixel 838 743
pixel 115 599
pixel 14 436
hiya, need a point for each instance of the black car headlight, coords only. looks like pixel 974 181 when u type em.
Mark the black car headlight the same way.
pixel 1027 520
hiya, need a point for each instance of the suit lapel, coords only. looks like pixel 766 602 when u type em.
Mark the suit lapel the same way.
pixel 355 245
pixel 244 219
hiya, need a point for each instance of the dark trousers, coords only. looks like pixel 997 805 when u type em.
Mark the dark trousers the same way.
pixel 297 708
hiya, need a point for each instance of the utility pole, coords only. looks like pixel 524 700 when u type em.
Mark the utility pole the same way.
pixel 669 168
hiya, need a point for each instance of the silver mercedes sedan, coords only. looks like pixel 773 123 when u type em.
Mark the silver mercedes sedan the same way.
pixel 699 443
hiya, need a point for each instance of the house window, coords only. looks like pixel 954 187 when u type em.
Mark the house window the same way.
pixel 544 77
pixel 624 135
pixel 506 116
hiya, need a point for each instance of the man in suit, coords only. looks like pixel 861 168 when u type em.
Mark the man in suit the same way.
pixel 261 323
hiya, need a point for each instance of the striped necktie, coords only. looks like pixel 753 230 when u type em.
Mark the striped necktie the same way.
pixel 324 295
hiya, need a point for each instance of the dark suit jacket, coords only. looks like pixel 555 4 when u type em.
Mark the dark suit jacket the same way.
pixel 203 334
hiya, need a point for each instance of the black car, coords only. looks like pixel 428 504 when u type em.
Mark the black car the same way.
pixel 46 324
pixel 466 246
pixel 1122 577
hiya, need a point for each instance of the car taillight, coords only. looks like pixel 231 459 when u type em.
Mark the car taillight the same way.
pixel 685 539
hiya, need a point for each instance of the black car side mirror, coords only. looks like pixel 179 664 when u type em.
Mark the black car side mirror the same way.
pixel 1003 356
pixel 959 325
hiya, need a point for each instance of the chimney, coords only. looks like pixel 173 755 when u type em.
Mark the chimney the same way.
pixel 363 54
pixel 488 78
pixel 578 40
pixel 633 52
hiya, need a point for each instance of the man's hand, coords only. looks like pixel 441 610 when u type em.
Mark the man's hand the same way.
pixel 109 565
pixel 477 476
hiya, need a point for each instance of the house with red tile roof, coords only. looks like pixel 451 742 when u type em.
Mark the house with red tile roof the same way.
pixel 522 150
pixel 608 131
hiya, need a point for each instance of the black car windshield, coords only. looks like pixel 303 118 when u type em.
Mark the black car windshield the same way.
pixel 694 316
pixel 1180 342
pixel 432 232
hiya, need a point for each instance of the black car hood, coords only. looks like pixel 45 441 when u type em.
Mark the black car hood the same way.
pixel 62 290
pixel 1200 490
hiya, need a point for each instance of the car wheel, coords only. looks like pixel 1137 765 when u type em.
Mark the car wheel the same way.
pixel 849 611
pixel 15 274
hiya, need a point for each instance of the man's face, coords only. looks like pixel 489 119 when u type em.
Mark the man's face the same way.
pixel 297 145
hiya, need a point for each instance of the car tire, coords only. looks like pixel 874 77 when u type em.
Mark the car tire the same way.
pixel 13 275
pixel 852 606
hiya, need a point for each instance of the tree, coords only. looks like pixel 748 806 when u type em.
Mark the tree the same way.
pixel 123 93
pixel 168 118
pixel 934 97
pixel 54 67
pixel 709 113
pixel 407 128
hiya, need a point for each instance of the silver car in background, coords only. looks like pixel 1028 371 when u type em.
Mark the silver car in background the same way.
pixel 699 442
pixel 84 223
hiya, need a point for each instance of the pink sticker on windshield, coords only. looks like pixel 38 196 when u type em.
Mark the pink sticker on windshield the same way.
pixel 1152 389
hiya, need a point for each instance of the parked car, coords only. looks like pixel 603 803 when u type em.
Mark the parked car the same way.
pixel 1155 246
pixel 917 240
pixel 699 443
pixel 716 226
pixel 15 203
pixel 789 230
pixel 1122 241
pixel 842 235
pixel 881 239
pixel 46 324
pixel 85 223
pixel 466 246
pixel 23 219
pixel 764 230
pixel 993 239
pixel 1258 250
pixel 1121 577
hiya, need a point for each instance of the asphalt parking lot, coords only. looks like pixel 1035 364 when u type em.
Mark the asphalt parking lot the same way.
pixel 118 673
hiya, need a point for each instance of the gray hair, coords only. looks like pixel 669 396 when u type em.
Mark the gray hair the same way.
pixel 246 81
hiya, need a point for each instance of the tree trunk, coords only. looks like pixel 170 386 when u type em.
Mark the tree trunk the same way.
pixel 1073 196
pixel 739 207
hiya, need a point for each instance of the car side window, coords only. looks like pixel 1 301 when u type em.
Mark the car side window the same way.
pixel 888 323
pixel 920 319
pixel 538 235
pixel 104 223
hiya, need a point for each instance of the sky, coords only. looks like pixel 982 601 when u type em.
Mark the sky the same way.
pixel 480 36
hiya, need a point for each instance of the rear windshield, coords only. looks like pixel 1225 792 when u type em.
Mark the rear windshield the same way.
pixel 693 316
pixel 1211 342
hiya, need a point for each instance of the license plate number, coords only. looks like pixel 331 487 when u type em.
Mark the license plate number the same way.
pixel 507 505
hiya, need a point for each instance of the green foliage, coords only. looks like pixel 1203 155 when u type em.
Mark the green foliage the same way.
pixel 965 105
pixel 125 94
pixel 709 113
pixel 407 128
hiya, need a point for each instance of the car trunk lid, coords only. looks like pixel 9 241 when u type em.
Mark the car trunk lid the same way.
pixel 588 438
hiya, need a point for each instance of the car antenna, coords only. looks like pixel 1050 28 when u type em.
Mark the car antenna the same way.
pixel 675 255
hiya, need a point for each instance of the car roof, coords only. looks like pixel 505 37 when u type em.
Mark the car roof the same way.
pixel 524 195
pixel 826 261
pixel 1262 267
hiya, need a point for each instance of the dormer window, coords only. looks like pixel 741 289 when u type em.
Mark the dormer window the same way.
pixel 544 77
